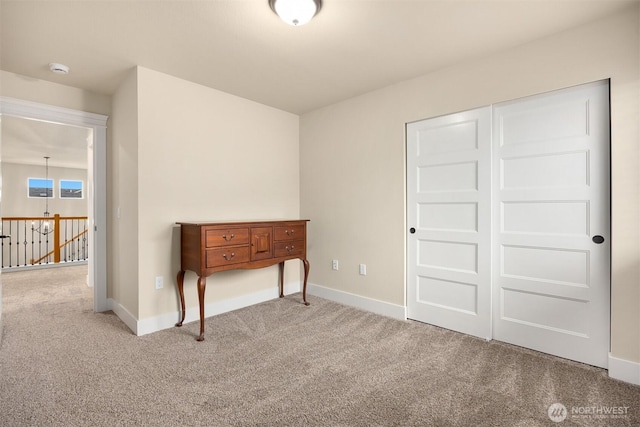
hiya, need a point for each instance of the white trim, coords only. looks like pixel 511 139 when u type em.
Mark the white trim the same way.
pixel 98 229
pixel 97 190
pixel 168 320
pixel 123 314
pixel 624 370
pixel 376 306
pixel 50 113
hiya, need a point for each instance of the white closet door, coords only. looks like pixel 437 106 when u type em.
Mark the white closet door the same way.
pixel 551 202
pixel 448 202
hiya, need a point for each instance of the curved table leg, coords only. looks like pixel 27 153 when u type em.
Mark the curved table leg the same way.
pixel 181 294
pixel 304 286
pixel 281 267
pixel 202 284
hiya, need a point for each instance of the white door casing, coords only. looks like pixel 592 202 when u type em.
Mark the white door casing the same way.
pixel 551 198
pixel 448 199
pixel 529 205
pixel 98 181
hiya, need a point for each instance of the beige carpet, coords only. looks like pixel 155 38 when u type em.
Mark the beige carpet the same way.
pixel 278 363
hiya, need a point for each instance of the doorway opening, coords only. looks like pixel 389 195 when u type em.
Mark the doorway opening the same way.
pixel 95 124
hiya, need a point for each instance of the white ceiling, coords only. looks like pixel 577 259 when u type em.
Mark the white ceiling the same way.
pixel 241 47
pixel 29 141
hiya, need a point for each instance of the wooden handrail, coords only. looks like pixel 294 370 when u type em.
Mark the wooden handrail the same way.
pixel 39 218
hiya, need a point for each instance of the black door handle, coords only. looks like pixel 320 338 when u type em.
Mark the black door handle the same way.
pixel 598 239
pixel 412 230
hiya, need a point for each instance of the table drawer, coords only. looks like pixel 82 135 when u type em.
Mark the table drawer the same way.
pixel 290 232
pixel 225 256
pixel 226 237
pixel 292 248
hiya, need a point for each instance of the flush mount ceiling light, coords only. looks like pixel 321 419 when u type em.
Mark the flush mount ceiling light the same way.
pixel 295 12
pixel 59 68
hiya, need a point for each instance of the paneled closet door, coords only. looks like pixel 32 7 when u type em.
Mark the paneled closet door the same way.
pixel 551 230
pixel 508 210
pixel 448 214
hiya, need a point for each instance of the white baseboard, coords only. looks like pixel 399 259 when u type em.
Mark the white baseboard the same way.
pixel 124 314
pixel 379 307
pixel 169 320
pixel 624 370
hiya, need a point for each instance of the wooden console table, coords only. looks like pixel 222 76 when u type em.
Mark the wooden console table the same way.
pixel 206 248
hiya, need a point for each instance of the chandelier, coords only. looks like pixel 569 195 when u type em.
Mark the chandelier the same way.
pixel 44 225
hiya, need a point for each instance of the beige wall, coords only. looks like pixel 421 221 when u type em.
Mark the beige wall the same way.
pixel 178 151
pixel 29 89
pixel 14 195
pixel 205 155
pixel 122 202
pixel 353 160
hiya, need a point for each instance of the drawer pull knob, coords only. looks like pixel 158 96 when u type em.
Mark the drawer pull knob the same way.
pixel 230 258
pixel 224 236
pixel 289 232
pixel 289 249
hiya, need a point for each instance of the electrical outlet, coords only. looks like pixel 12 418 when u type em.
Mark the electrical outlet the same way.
pixel 334 264
pixel 159 282
pixel 363 269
